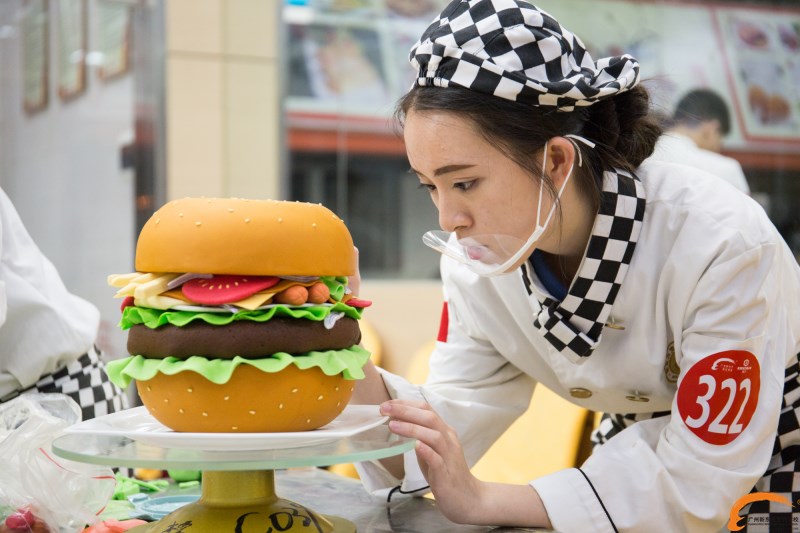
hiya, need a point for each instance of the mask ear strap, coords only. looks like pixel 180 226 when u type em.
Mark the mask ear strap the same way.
pixel 572 138
pixel 541 185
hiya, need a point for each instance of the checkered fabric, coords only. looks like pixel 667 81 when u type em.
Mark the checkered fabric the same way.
pixel 611 424
pixel 85 381
pixel 782 476
pixel 574 326
pixel 514 50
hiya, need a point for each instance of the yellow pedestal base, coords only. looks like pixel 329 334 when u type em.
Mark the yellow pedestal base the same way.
pixel 244 502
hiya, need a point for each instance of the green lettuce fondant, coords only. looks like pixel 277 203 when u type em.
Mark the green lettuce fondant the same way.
pixel 153 318
pixel 348 362
pixel 336 285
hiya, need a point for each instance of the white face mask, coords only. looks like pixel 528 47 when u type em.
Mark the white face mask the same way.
pixel 492 255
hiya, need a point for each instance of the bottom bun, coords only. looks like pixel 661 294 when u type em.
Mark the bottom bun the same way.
pixel 251 401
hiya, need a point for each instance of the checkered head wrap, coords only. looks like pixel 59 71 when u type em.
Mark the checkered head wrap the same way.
pixel 514 50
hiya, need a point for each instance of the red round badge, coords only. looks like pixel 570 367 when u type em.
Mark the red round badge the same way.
pixel 718 395
pixel 223 289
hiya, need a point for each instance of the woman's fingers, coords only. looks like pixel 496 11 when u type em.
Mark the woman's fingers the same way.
pixel 416 419
pixel 354 282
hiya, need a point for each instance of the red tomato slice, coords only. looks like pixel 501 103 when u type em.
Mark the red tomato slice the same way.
pixel 224 289
pixel 358 302
pixel 127 302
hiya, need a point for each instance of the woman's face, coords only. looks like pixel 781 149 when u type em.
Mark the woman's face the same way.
pixel 476 188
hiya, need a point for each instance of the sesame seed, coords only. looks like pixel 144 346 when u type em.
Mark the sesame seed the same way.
pixel 280 406
pixel 234 428
pixel 148 388
pixel 308 420
pixel 251 412
pixel 230 210
pixel 166 400
pixel 314 225
pixel 205 414
pixel 189 389
pixel 337 389
pixel 181 411
pixel 319 397
pixel 280 219
pixel 294 390
pixel 180 215
pixel 247 220
pixel 227 398
pixel 227 285
pixel 158 220
pixel 338 404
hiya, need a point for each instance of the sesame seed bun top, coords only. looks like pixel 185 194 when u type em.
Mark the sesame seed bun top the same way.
pixel 239 236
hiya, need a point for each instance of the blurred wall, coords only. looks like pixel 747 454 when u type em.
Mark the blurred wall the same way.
pixel 405 314
pixel 61 168
pixel 223 98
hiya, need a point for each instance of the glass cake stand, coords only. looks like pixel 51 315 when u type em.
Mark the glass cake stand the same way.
pixel 238 487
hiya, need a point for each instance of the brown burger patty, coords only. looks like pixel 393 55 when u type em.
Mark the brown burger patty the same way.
pixel 244 338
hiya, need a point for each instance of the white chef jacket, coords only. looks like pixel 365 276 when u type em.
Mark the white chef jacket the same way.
pixel 710 273
pixel 676 148
pixel 42 325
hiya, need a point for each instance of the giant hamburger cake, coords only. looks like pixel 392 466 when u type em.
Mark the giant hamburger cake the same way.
pixel 239 317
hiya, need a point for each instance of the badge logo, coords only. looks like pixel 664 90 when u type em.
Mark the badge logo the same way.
pixel 671 368
pixel 719 394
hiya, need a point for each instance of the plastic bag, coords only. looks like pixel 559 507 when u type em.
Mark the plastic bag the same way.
pixel 37 485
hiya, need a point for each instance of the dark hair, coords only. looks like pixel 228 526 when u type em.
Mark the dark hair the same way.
pixel 622 128
pixel 702 105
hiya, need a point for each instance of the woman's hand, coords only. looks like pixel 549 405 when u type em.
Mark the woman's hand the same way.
pixel 460 496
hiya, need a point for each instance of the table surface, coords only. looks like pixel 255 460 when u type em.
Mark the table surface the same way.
pixel 330 493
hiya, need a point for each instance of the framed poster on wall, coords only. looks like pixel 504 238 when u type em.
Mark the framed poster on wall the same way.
pixel 113 32
pixel 35 52
pixel 762 53
pixel 72 46
pixel 337 65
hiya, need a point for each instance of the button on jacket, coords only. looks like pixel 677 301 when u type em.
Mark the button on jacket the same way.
pixel 710 274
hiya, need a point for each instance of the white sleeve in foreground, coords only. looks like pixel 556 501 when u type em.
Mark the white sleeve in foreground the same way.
pixel 581 511
pixel 377 480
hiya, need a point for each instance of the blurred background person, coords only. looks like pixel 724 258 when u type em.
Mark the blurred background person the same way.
pixel 47 334
pixel 694 136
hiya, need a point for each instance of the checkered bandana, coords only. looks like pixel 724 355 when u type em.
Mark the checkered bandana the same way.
pixel 514 50
pixel 574 325
pixel 85 381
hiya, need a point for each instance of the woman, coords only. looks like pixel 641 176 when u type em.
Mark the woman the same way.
pixel 636 288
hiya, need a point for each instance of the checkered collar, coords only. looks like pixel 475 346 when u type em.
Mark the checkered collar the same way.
pixel 574 325
pixel 514 50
